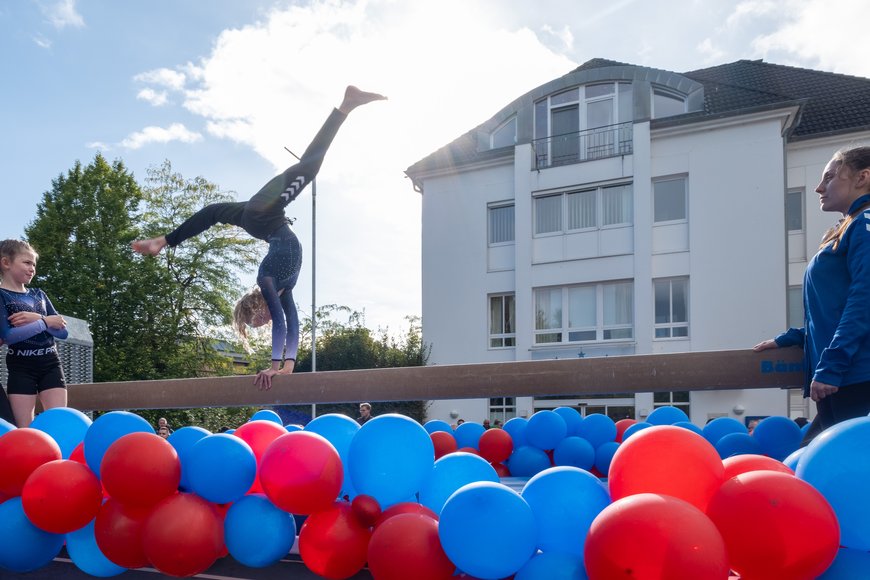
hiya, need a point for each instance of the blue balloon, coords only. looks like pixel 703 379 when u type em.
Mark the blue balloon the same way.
pixel 487 530
pixel 6 426
pixel 182 440
pixel 527 461
pixel 23 546
pixel 221 468
pixel 437 425
pixel 836 464
pixel 848 565
pixel 778 436
pixel 804 430
pixel 632 429
pixel 293 427
pixel 516 428
pixel 666 416
pixel 604 455
pixel 572 417
pixel 106 430
pixel 737 444
pixel 546 429
pixel 468 434
pixel 257 533
pixel 721 426
pixel 339 430
pixel 267 415
pixel 65 425
pixel 390 458
pixel 792 460
pixel 597 429
pixel 553 566
pixel 87 556
pixel 565 501
pixel 574 452
pixel 452 472
pixel 690 426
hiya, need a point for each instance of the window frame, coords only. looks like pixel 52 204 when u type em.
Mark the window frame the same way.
pixel 498 130
pixel 489 229
pixel 504 337
pixel 671 325
pixel 670 94
pixel 685 179
pixel 564 216
pixel 564 314
pixel 799 194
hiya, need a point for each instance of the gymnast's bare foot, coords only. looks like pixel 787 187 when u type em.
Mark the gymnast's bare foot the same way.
pixel 150 247
pixel 354 97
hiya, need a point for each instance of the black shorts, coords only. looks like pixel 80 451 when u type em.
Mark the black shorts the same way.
pixel 29 375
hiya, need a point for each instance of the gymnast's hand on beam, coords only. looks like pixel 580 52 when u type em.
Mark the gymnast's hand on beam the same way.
pixel 263 380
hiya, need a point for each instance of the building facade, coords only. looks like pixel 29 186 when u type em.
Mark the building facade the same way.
pixel 622 209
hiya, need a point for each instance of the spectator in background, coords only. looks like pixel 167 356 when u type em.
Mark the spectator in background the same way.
pixel 486 424
pixel 162 423
pixel 365 413
pixel 163 432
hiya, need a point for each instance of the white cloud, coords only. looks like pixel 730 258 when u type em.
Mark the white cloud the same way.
pixel 148 135
pixel 98 145
pixel 41 41
pixel 163 77
pixel 156 98
pixel 711 52
pixel 751 9
pixel 62 14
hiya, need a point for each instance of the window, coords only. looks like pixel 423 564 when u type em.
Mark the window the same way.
pixel 669 200
pixel 667 104
pixel 795 302
pixel 585 209
pixel 794 210
pixel 505 135
pixel 502 409
pixel 501 223
pixel 584 313
pixel 502 321
pixel 678 399
pixel 671 307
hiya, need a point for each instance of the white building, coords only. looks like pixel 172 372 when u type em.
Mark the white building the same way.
pixel 622 209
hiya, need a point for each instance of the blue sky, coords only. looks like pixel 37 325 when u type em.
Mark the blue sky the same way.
pixel 220 87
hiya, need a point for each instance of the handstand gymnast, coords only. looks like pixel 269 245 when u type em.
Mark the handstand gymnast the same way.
pixel 263 218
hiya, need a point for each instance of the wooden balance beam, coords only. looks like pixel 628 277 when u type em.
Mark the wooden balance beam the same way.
pixel 713 370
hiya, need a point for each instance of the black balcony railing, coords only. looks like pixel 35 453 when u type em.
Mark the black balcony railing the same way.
pixel 589 145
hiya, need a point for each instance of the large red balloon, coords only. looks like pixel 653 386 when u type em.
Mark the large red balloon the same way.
pixel 301 473
pixel 654 536
pixel 443 442
pixel 501 469
pixel 21 452
pixel 61 496
pixel 737 464
pixel 140 469
pixel 259 435
pixel 405 507
pixel 775 526
pixel 118 531
pixel 333 543
pixel 666 460
pixel 183 535
pixel 366 509
pixel 495 445
pixel 406 546
pixel 621 426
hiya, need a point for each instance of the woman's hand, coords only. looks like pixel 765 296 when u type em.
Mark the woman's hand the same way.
pixel 263 380
pixel 819 391
pixel 55 321
pixel 765 345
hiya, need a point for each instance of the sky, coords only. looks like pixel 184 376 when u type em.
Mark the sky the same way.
pixel 220 88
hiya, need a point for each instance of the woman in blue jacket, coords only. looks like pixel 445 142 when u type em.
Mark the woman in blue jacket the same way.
pixel 836 332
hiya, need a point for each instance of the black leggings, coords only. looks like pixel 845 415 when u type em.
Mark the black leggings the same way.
pixel 847 403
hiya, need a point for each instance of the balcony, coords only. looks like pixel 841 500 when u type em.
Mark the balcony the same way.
pixel 589 145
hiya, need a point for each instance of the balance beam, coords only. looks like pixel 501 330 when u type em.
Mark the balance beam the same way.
pixel 711 370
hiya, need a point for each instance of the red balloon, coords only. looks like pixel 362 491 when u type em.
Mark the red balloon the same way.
pixel 667 460
pixel 495 445
pixel 183 535
pixel 259 435
pixel 765 518
pixel 501 469
pixel 621 426
pixel 21 452
pixel 654 536
pixel 61 496
pixel 141 469
pixel 471 450
pixel 301 473
pixel 407 545
pixel 444 443
pixel 118 531
pixel 366 509
pixel 737 464
pixel 333 543
pixel 78 454
pixel 405 507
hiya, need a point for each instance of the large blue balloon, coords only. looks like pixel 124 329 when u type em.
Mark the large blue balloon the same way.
pixel 339 430
pixel 690 426
pixel 632 429
pixel 452 472
pixel 527 461
pixel 721 426
pixel 666 416
pixel 574 452
pixel 221 468
pixel 488 530
pixel 778 436
pixel 837 463
pixel 65 425
pixel 604 455
pixel 468 434
pixel 23 546
pixel 106 430
pixel 182 440
pixel 737 444
pixel 267 415
pixel 437 425
pixel 565 501
pixel 516 428
pixel 572 417
pixel 553 566
pixel 597 429
pixel 6 426
pixel 257 533
pixel 87 556
pixel 390 458
pixel 792 460
pixel 848 565
pixel 546 429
